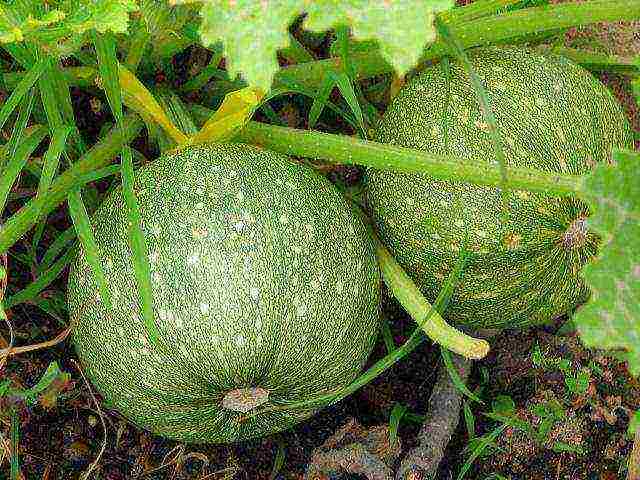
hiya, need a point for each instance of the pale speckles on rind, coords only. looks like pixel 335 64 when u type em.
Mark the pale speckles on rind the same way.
pixel 165 315
pixel 204 308
pixel 301 307
pixel 296 232
pixel 193 259
pixel 283 219
pixel 254 292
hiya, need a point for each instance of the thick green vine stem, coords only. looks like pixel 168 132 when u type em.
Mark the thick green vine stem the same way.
pixel 511 26
pixel 341 149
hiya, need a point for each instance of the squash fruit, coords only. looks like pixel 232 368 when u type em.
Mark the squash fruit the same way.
pixel 527 249
pixel 266 290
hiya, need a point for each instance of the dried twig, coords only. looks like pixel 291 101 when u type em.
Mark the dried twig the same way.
pixel 443 416
pixel 354 449
pixel 6 352
pixel 87 473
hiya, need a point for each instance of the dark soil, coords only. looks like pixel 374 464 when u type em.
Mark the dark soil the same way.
pixel 62 435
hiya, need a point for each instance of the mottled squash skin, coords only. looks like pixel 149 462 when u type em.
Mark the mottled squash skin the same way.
pixel 262 277
pixel 552 115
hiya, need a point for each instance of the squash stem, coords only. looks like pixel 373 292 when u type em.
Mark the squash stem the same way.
pixel 411 298
pixel 431 322
pixel 341 149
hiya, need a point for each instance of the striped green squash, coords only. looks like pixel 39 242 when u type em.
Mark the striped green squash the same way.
pixel 266 291
pixel 552 115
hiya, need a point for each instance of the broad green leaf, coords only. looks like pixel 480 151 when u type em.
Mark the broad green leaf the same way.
pixel 59 25
pixel 611 319
pixel 252 31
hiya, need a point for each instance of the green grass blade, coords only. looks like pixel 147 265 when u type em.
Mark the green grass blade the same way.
pixel 105 46
pixel 279 461
pixel 397 412
pixel 27 82
pixel 50 98
pixel 345 85
pixel 62 92
pixel 455 377
pixel 138 247
pixel 46 278
pixel 84 231
pixel 57 246
pixel 100 155
pixel 52 158
pixel 99 174
pixel 469 420
pixel 475 10
pixel 17 161
pixel 108 65
pixel 24 113
pixel 387 336
pixel 320 100
pixel 61 88
pixel 481 95
pixel 15 445
pixel 423 313
pixel 176 111
pixel 416 338
pixel 484 443
pixel 20 53
pixel 49 169
pixel 139 42
pixel 207 73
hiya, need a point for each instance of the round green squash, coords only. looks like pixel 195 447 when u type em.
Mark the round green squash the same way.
pixel 266 290
pixel 526 258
